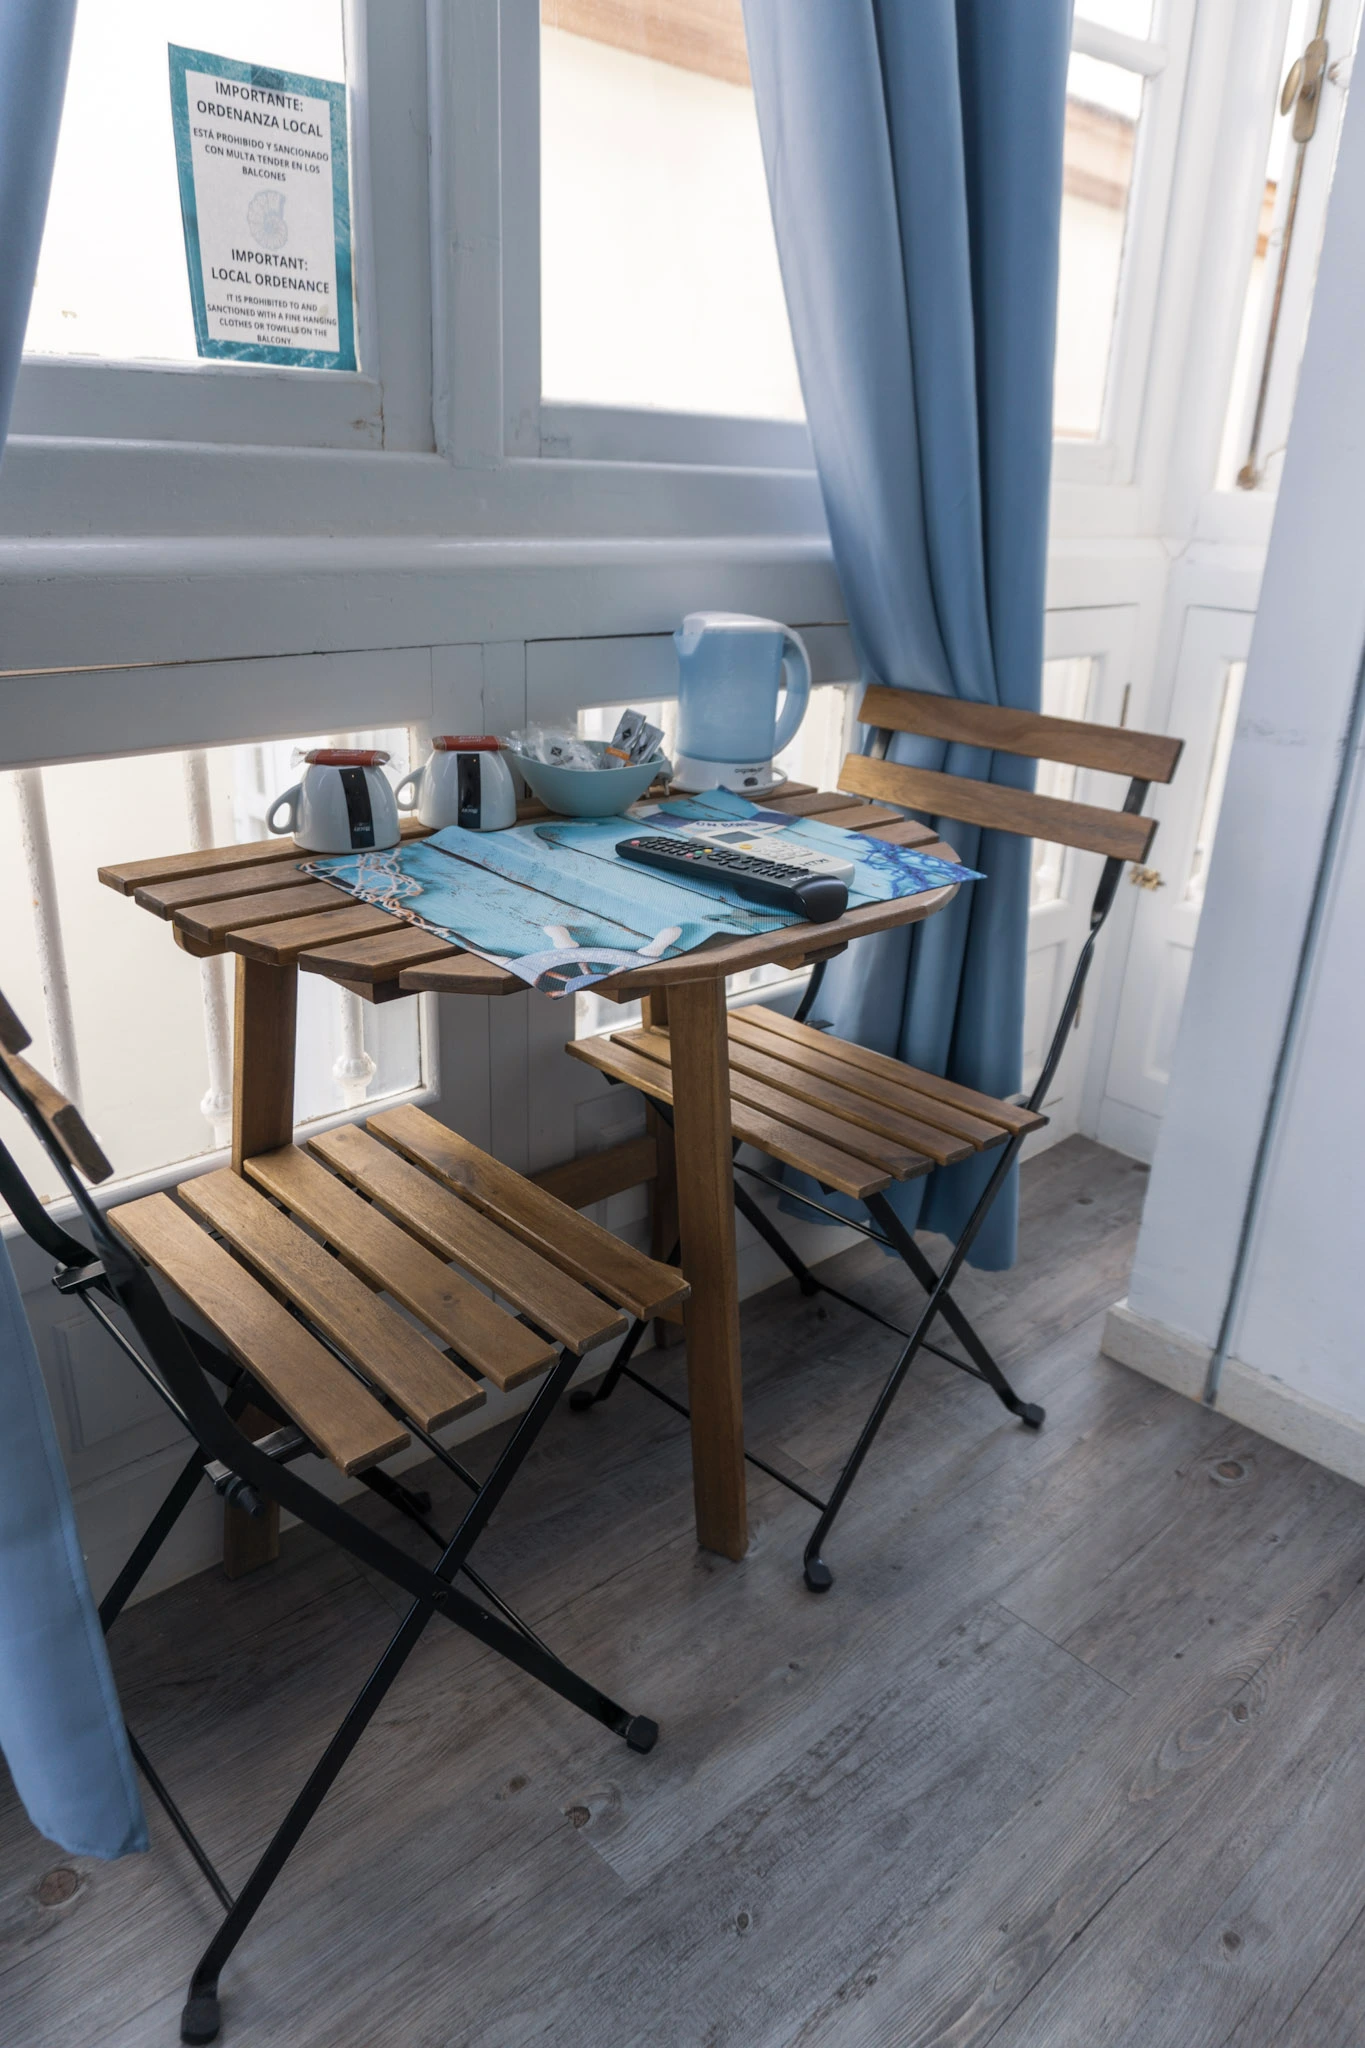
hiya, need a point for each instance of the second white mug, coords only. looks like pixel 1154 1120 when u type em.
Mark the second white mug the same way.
pixel 465 781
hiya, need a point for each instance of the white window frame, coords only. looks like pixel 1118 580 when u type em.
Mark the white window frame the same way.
pixel 1162 61
pixel 445 431
pixel 387 402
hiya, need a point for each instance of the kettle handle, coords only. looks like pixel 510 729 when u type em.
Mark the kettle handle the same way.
pixel 796 675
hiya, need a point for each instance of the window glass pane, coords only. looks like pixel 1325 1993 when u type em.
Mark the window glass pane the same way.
pixel 111 279
pixel 659 277
pixel 1218 775
pixel 144 1014
pixel 1066 694
pixel 1129 17
pixel 1103 107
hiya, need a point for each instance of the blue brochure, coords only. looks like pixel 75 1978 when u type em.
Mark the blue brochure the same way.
pixel 553 903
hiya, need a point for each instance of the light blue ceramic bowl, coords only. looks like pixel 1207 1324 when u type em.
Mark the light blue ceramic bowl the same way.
pixel 587 792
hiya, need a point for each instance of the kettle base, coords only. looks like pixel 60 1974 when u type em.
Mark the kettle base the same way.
pixel 691 775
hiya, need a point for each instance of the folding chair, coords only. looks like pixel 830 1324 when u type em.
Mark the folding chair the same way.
pixel 853 1120
pixel 285 1271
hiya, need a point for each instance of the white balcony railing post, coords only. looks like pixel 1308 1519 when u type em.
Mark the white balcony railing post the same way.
pixel 216 1105
pixel 47 924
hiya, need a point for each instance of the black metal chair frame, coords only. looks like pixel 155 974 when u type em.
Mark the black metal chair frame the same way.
pixel 891 1233
pixel 180 1364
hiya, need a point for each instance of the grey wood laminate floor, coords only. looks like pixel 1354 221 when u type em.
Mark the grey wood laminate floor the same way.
pixel 1072 1754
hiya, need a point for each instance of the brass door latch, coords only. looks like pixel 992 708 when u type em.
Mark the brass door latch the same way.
pixel 1146 878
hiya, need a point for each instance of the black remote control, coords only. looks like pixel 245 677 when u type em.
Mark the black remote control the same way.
pixel 775 884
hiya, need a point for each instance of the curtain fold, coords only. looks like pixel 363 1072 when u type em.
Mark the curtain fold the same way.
pixel 61 1729
pixel 914 162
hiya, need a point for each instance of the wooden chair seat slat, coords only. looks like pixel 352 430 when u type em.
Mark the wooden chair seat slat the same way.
pixel 426 1384
pixel 900 1100
pixel 1090 827
pixel 455 1229
pixel 580 1247
pixel 758 1083
pixel 485 1336
pixel 210 923
pixel 330 1406
pixel 825 1163
pixel 1008 1115
pixel 1115 750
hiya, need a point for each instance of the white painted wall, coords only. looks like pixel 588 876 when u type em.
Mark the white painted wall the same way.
pixel 1294 1350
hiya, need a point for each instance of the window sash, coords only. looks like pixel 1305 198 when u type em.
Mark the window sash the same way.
pixel 387 403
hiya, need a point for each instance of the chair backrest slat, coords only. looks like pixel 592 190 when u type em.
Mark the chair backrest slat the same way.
pixel 65 1122
pixel 13 1036
pixel 1150 756
pixel 1124 835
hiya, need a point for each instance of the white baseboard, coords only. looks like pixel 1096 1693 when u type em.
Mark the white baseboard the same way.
pixel 1329 1436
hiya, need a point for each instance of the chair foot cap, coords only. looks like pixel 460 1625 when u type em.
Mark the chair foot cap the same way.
pixel 641 1734
pixel 1032 1415
pixel 582 1398
pixel 819 1577
pixel 201 2018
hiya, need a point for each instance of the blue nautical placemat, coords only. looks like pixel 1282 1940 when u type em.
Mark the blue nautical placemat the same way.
pixel 552 902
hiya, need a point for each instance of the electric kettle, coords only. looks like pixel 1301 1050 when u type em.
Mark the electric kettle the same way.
pixel 730 670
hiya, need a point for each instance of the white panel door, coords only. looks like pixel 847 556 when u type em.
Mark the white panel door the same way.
pixel 1208 683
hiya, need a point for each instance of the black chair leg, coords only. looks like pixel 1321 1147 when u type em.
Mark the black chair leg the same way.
pixel 583 1398
pixel 1028 1412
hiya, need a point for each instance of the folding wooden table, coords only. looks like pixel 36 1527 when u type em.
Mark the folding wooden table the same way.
pixel 253 902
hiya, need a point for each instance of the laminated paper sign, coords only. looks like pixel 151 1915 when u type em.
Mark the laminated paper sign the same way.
pixel 265 200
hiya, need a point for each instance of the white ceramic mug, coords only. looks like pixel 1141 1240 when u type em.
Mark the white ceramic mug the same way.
pixel 464 782
pixel 344 804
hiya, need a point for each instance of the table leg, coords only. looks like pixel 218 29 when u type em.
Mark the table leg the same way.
pixel 706 1214
pixel 663 1189
pixel 263 1059
pixel 263 1041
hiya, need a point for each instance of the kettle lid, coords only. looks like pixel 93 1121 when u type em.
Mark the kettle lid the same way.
pixel 698 623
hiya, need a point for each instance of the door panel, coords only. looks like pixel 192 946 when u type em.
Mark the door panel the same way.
pixel 1208 678
pixel 1087 671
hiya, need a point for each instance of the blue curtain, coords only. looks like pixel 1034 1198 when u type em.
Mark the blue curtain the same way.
pixel 914 160
pixel 60 1726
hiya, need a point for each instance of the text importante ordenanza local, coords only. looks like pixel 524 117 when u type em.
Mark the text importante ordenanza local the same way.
pixel 281 271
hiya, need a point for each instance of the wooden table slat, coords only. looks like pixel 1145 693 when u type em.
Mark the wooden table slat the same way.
pixel 163 899
pixel 485 1336
pixel 127 876
pixel 330 1406
pixel 210 923
pixel 369 963
pixel 279 945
